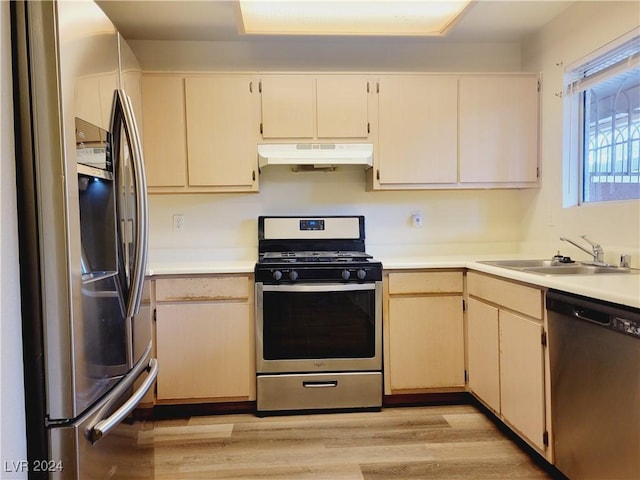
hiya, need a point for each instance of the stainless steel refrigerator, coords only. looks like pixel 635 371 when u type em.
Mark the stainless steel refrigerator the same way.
pixel 83 227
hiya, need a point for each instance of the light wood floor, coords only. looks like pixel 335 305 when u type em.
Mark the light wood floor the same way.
pixel 441 442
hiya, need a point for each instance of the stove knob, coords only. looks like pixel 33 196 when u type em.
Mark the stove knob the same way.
pixel 277 275
pixel 346 274
pixel 362 274
pixel 293 275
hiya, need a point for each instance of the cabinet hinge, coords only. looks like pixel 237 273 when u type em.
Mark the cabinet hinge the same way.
pixel 378 174
pixel 260 86
pixel 545 438
pixel 250 87
pixel 539 86
pixel 537 172
pixel 466 376
pixel 253 176
pixel 543 339
pixel 368 127
pixel 377 87
pixel 260 128
pixel 464 305
pixel 155 315
pixel 367 87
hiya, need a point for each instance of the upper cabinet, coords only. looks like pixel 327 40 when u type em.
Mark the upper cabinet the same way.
pixel 221 132
pixel 457 131
pixel 417 142
pixel 428 130
pixel 315 107
pixel 498 130
pixel 163 124
pixel 204 131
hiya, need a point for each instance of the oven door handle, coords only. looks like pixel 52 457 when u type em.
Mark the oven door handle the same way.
pixel 323 287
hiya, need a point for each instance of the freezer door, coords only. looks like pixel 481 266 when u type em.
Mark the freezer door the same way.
pixel 111 440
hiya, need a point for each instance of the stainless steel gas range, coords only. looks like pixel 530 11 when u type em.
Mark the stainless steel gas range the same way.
pixel 318 315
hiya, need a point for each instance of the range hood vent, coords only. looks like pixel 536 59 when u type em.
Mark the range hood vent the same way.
pixel 315 156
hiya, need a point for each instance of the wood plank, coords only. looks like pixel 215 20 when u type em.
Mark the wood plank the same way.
pixel 418 442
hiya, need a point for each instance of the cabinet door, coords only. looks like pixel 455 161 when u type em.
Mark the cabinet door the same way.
pixel 222 131
pixel 483 352
pixel 499 129
pixel 163 122
pixel 204 350
pixel 426 342
pixel 94 98
pixel 417 130
pixel 342 106
pixel 288 106
pixel 521 375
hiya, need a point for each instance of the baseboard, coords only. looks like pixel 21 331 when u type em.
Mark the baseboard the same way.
pixel 161 412
pixel 436 398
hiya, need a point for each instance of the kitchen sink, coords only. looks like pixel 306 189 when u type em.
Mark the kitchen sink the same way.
pixel 552 267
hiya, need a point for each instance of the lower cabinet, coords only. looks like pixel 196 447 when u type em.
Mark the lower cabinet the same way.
pixel 424 331
pixel 205 339
pixel 506 348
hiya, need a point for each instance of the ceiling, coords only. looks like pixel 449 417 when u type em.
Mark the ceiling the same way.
pixel 485 21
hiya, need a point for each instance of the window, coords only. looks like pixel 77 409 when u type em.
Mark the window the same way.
pixel 603 96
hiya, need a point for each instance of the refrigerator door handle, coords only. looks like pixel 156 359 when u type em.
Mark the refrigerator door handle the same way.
pixel 104 426
pixel 123 104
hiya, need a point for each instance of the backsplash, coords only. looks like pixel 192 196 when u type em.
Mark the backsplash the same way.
pixel 454 222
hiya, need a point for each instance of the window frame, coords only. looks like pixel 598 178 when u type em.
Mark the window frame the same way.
pixel 573 120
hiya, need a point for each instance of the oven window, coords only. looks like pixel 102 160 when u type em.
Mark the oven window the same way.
pixel 304 325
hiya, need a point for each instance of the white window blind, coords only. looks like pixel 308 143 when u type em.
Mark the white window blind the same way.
pixel 625 59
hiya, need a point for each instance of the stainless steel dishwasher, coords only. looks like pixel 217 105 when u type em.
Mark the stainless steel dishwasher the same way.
pixel 594 351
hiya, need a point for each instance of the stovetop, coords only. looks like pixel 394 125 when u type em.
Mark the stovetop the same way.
pixel 314 249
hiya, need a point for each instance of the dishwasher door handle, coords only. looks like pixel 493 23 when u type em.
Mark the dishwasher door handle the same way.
pixel 591 316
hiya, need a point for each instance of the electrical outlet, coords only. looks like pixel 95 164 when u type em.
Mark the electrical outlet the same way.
pixel 416 219
pixel 178 222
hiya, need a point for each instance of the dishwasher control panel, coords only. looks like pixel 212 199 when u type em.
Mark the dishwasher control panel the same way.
pixel 626 325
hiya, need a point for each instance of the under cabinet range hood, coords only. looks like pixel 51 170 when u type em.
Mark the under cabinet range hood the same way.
pixel 315 156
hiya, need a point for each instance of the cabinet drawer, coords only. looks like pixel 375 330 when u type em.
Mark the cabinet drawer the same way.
pixel 425 282
pixel 202 288
pixel 523 299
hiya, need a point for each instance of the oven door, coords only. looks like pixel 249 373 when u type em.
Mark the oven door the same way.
pixel 318 327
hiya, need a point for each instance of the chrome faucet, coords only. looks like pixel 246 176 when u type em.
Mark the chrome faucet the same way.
pixel 596 250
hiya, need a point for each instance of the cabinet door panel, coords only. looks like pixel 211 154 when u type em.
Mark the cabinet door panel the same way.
pixel 425 282
pixel 165 150
pixel 417 130
pixel 498 129
pixel 342 104
pixel 221 130
pixel 521 375
pixel 521 298
pixel 288 106
pixel 483 352
pixel 203 350
pixel 426 344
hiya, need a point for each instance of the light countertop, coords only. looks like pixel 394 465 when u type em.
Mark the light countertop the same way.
pixel 622 289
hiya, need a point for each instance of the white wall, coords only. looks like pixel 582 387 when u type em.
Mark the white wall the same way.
pixel 12 426
pixel 345 54
pixel 454 221
pixel 578 31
